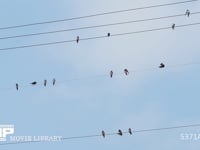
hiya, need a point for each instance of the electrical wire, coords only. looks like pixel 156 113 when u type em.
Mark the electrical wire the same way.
pixel 96 26
pixel 97 14
pixel 132 72
pixel 96 37
pixel 112 134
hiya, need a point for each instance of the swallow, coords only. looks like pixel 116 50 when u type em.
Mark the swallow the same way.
pixel 120 132
pixel 162 65
pixel 54 81
pixel 187 13
pixel 45 82
pixel 77 39
pixel 17 86
pixel 103 133
pixel 33 83
pixel 126 72
pixel 173 26
pixel 108 34
pixel 111 73
pixel 130 131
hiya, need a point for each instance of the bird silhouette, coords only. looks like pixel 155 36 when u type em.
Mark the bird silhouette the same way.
pixel 54 81
pixel 162 65
pixel 130 131
pixel 126 72
pixel 120 132
pixel 187 13
pixel 33 83
pixel 77 39
pixel 103 133
pixel 17 86
pixel 108 34
pixel 111 73
pixel 173 26
pixel 45 82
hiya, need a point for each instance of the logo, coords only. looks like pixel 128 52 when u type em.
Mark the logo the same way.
pixel 6 130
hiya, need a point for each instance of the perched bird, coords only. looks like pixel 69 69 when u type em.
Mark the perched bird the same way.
pixel 77 39
pixel 54 81
pixel 111 73
pixel 108 34
pixel 187 13
pixel 126 72
pixel 45 82
pixel 130 131
pixel 120 132
pixel 161 65
pixel 173 26
pixel 33 83
pixel 103 133
pixel 17 86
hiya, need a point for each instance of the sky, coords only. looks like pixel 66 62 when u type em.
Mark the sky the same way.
pixel 85 100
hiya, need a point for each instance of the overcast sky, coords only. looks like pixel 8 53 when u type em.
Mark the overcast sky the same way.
pixel 85 100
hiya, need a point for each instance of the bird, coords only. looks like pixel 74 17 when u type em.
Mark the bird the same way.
pixel 17 86
pixel 45 82
pixel 120 132
pixel 187 13
pixel 33 83
pixel 126 72
pixel 130 131
pixel 162 65
pixel 103 133
pixel 111 73
pixel 54 81
pixel 108 34
pixel 77 39
pixel 173 26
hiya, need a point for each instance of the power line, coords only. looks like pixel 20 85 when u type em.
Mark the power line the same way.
pixel 167 128
pixel 112 134
pixel 96 37
pixel 97 14
pixel 95 26
pixel 132 72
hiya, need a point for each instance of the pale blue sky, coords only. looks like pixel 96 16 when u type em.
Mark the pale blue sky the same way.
pixel 143 100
